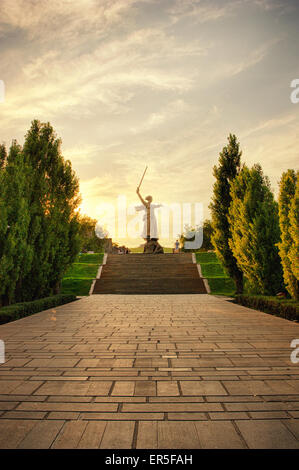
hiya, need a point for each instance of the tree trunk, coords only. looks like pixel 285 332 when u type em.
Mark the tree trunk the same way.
pixel 56 289
pixel 239 284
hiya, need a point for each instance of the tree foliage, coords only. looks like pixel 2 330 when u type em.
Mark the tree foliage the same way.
pixel 254 228
pixel 226 171
pixel 39 227
pixel 15 255
pixel 207 235
pixel 207 231
pixel 88 238
pixel 289 227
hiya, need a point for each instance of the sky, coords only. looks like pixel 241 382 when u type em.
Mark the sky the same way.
pixel 130 83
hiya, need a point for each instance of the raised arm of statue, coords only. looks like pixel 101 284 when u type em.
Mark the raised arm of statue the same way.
pixel 141 198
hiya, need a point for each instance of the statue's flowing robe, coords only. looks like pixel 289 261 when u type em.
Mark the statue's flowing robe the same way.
pixel 152 219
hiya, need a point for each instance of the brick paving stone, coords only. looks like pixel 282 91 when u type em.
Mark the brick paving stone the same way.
pixel 147 437
pixel 145 388
pixel 218 435
pixel 167 388
pixel 63 415
pixel 120 399
pixel 202 388
pixel 16 414
pixel 167 407
pixel 51 406
pixel 27 388
pixel 70 435
pixel 118 435
pixel 123 416
pixel 181 369
pixel 270 434
pixel 12 432
pixel 268 414
pixel 99 388
pixel 293 426
pixel 7 386
pixel 41 435
pixel 228 415
pixel 92 435
pixel 180 435
pixel 262 406
pixel 123 388
pixel 8 405
pixel 190 416
pixel 252 387
pixel 176 399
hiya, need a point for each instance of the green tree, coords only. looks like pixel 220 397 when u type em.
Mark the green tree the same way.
pixel 15 255
pixel 3 155
pixel 254 227
pixel 88 237
pixel 53 195
pixel 207 236
pixel 288 219
pixel 226 171
pixel 294 230
pixel 207 231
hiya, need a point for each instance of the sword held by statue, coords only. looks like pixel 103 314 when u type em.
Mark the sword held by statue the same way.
pixel 138 187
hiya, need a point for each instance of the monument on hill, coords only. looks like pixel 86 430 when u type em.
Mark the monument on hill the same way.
pixel 150 226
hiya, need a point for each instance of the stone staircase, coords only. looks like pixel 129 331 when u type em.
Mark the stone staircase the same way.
pixel 150 274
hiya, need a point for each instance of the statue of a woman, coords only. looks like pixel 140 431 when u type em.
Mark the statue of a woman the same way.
pixel 150 228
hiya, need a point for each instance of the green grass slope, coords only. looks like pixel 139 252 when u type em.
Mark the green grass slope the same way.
pixel 220 283
pixel 79 276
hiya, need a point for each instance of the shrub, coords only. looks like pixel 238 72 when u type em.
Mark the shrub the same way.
pixel 24 309
pixel 281 308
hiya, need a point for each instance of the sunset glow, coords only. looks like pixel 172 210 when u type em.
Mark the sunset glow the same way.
pixel 129 83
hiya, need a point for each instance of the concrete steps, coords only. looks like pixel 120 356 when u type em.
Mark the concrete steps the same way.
pixel 150 274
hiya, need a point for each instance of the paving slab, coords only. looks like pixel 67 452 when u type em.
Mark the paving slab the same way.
pixel 149 371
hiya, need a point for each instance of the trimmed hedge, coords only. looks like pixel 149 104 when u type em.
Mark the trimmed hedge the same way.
pixel 281 308
pixel 16 311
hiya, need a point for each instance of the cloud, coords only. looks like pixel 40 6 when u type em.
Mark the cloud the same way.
pixel 69 18
pixel 172 110
pixel 254 57
pixel 201 12
pixel 106 78
pixel 127 83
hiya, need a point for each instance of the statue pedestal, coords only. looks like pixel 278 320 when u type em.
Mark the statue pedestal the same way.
pixel 153 247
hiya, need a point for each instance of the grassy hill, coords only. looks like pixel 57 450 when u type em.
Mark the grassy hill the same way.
pixel 220 283
pixel 79 276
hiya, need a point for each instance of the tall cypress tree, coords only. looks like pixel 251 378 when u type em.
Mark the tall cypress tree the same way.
pixel 288 219
pixel 3 155
pixel 227 169
pixel 254 226
pixel 54 198
pixel 15 255
pixel 294 230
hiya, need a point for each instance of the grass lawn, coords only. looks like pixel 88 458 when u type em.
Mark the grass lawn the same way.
pixel 220 283
pixel 222 286
pixel 94 258
pixel 79 276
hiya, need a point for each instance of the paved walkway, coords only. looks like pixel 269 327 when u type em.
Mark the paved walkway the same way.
pixel 169 371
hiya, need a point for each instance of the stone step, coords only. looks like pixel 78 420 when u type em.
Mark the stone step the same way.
pixel 149 286
pixel 163 268
pixel 150 274
pixel 158 259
